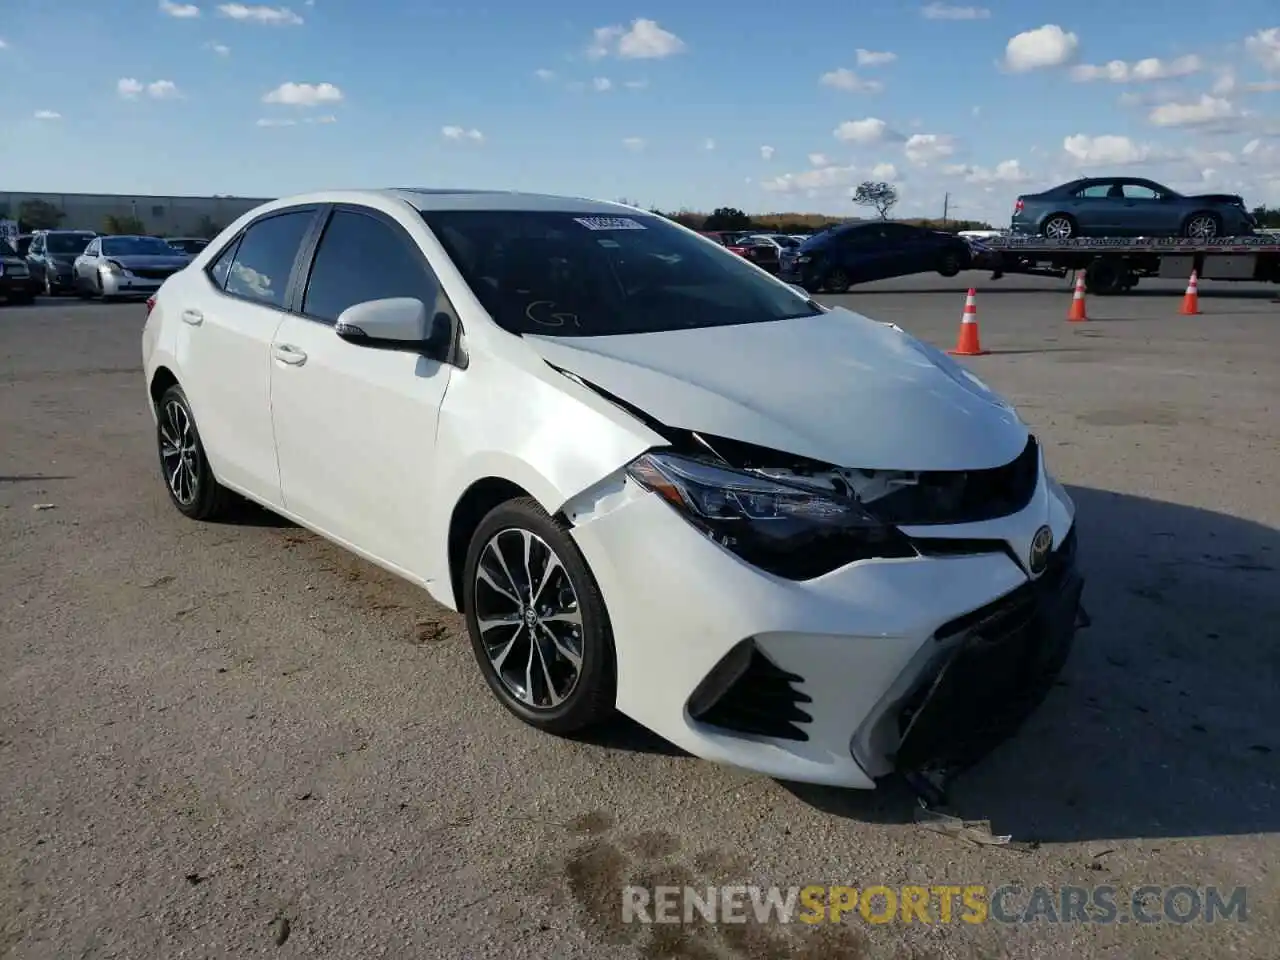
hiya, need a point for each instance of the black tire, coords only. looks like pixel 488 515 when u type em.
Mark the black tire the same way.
pixel 950 265
pixel 592 696
pixel 49 291
pixel 80 289
pixel 1198 223
pixel 1060 226
pixel 837 281
pixel 207 499
pixel 1104 278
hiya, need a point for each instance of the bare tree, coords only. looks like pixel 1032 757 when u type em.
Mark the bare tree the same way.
pixel 876 194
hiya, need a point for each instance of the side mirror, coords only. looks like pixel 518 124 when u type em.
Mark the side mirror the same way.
pixel 397 323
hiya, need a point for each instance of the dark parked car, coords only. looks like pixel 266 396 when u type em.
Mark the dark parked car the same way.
pixel 16 284
pixel 51 256
pixel 1128 207
pixel 836 259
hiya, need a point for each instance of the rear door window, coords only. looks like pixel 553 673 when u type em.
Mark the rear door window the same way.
pixel 264 259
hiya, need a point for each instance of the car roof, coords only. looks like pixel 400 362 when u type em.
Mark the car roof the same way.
pixel 428 199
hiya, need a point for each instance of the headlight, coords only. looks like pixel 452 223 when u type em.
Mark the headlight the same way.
pixel 112 267
pixel 804 258
pixel 785 529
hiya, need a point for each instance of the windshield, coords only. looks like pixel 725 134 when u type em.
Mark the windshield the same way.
pixel 574 275
pixel 67 243
pixel 136 247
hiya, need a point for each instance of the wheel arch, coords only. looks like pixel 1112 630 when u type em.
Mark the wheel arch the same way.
pixel 1075 224
pixel 482 496
pixel 161 380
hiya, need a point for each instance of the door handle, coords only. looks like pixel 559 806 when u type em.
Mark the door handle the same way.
pixel 193 317
pixel 287 353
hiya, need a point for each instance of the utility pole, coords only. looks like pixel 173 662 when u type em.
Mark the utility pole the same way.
pixel 946 207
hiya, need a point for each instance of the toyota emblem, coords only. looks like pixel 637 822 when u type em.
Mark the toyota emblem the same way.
pixel 1041 546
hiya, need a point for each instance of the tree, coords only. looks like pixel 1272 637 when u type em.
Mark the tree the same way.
pixel 877 194
pixel 123 226
pixel 727 218
pixel 38 215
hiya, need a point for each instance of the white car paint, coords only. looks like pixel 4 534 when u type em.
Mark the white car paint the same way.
pixel 375 448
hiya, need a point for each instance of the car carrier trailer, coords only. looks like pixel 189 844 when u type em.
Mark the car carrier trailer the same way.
pixel 1116 264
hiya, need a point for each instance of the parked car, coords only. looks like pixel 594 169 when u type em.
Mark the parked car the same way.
pixel 16 283
pixel 652 477
pixel 188 245
pixel 859 252
pixel 1128 207
pixel 52 257
pixel 763 249
pixel 122 266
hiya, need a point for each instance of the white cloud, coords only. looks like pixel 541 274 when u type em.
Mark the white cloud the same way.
pixel 601 84
pixel 633 144
pixel 3 45
pixel 47 115
pixel 1264 46
pixel 884 171
pixel 1152 68
pixel 636 84
pixel 1006 171
pixel 462 133
pixel 924 148
pixel 1105 150
pixel 221 49
pixel 708 144
pixel 1047 46
pixel 819 160
pixel 766 153
pixel 275 16
pixel 843 78
pixel 872 58
pixel 822 178
pixel 644 40
pixel 128 87
pixel 544 74
pixel 276 122
pixel 870 130
pixel 163 90
pixel 947 11
pixel 1207 109
pixel 182 11
pixel 303 94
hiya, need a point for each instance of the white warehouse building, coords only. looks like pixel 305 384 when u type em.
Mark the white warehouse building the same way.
pixel 167 216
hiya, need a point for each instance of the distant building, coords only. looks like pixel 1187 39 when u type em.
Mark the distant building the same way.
pixel 167 216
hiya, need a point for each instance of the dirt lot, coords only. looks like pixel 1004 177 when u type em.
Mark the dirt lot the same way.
pixel 235 740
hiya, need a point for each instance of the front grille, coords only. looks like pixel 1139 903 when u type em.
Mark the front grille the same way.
pixel 153 273
pixel 964 496
pixel 762 700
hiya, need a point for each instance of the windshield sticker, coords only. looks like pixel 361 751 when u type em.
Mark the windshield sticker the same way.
pixel 608 223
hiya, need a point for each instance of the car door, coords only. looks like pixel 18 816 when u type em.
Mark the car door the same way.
pixel 355 426
pixel 864 253
pixel 1146 212
pixel 229 318
pixel 907 250
pixel 1095 210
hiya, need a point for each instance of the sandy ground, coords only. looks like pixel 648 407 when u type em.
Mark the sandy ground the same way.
pixel 236 740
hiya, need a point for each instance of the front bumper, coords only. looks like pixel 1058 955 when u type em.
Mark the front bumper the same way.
pixel 17 286
pixel 818 681
pixel 128 284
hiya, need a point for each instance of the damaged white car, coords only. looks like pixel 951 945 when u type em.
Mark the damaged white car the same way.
pixel 654 478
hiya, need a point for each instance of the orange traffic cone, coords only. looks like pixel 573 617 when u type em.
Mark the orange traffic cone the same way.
pixel 968 344
pixel 1077 312
pixel 1191 299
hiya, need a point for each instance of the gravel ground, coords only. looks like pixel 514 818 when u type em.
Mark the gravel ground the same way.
pixel 236 740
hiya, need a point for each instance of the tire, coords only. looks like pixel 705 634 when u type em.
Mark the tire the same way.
pixel 1059 226
pixel 48 286
pixel 587 693
pixel 202 497
pixel 837 281
pixel 1202 226
pixel 949 265
pixel 1104 278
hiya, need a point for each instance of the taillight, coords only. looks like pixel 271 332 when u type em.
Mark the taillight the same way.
pixel 151 305
pixel 1017 205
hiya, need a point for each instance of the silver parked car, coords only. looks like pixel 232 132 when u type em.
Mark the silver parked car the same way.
pixel 124 266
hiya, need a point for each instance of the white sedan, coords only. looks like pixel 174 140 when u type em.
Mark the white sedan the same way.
pixel 654 478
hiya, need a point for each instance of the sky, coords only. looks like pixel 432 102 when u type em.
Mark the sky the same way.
pixel 675 105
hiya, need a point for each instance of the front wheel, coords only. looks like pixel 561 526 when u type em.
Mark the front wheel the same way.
pixel 537 620
pixel 837 281
pixel 192 487
pixel 949 265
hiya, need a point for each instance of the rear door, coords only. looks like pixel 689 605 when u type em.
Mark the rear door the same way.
pixel 229 317
pixel 355 426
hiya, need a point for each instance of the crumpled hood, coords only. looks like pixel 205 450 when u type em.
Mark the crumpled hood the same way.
pixel 838 388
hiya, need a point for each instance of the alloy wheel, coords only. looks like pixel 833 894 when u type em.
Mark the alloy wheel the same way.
pixel 529 618
pixel 179 453
pixel 1202 228
pixel 1059 228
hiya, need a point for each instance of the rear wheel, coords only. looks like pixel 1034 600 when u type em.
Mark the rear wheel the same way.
pixel 537 620
pixel 1059 227
pixel 1202 226
pixel 192 487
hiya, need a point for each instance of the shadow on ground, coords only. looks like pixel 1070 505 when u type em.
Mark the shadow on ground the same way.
pixel 1165 722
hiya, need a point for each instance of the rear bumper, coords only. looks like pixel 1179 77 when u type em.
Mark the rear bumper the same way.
pixel 18 287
